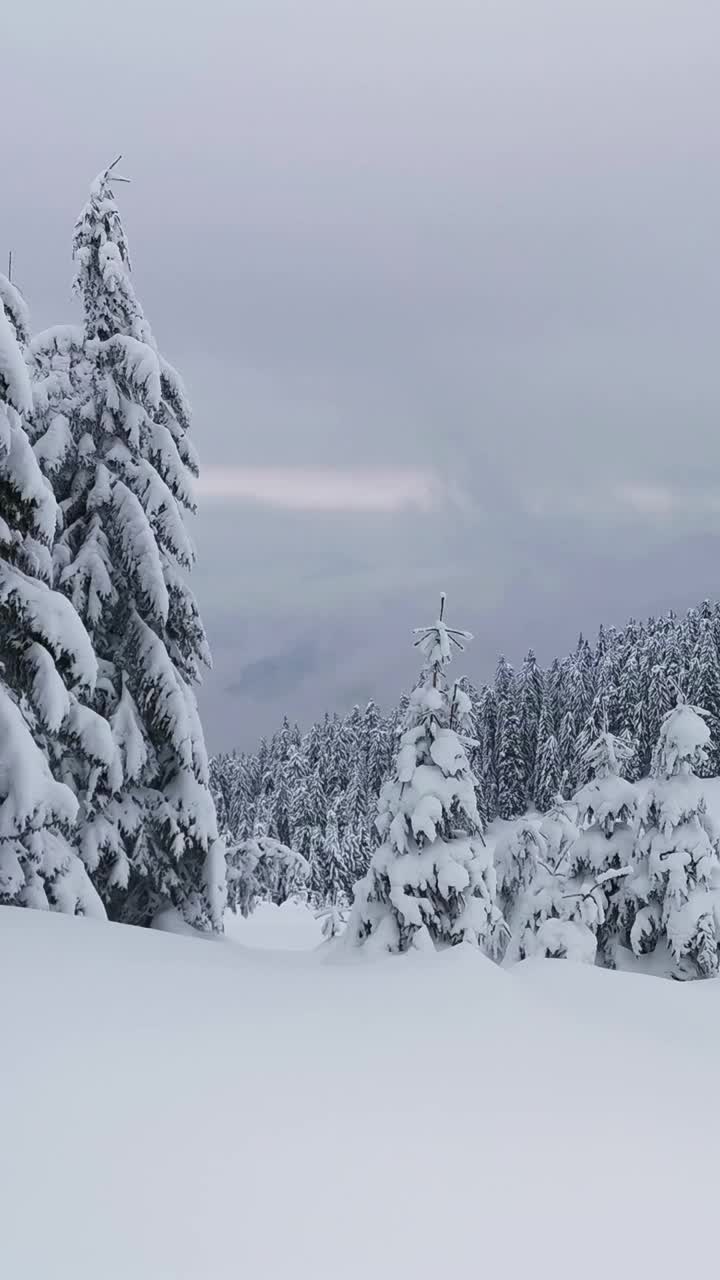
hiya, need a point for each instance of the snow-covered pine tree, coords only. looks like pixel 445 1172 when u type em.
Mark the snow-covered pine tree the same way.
pixel 327 771
pixel 673 891
pixel 547 765
pixel 282 799
pixel 297 784
pixel 241 812
pixel 375 738
pixel 337 861
pixel 352 739
pixel 715 619
pixel 312 749
pixel 341 747
pixel 510 768
pixel 661 694
pixel 255 769
pixel 704 690
pixel 331 878
pixel 223 784
pixel 314 820
pixel 606 807
pixel 553 699
pixel 531 692
pixel 275 784
pixel 431 882
pixel 595 728
pixel 353 806
pixel 628 697
pixel 576 700
pixel 354 856
pixel 607 676
pixel 378 749
pixel 353 825
pixel 123 557
pixel 669 659
pixel 690 628
pixel 641 729
pixel 47 668
pixel 585 663
pixel 232 787
pixel 486 732
pixel 603 644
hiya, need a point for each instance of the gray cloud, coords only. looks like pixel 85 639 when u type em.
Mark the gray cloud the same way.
pixel 476 240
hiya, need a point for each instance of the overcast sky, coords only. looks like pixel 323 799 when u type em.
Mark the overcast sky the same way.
pixel 443 280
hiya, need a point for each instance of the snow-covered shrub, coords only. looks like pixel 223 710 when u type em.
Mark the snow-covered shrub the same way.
pixel 673 892
pixel 333 920
pixel 551 920
pixel 520 851
pixel 559 829
pixel 262 869
pixel 541 901
pixel 565 940
pixel 602 851
pixel 541 898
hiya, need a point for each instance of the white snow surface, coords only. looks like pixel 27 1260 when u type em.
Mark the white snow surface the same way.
pixel 293 926
pixel 177 1109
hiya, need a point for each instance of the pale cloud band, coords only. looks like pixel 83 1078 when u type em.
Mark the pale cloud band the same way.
pixel 646 502
pixel 662 501
pixel 338 489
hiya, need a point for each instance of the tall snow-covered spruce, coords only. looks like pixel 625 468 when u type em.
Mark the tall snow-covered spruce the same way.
pixel 121 463
pixel 47 668
pixel 431 882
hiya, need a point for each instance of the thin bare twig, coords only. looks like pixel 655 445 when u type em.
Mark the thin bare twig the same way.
pixel 116 176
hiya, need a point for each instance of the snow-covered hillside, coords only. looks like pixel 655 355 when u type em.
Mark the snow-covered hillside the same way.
pixel 179 1107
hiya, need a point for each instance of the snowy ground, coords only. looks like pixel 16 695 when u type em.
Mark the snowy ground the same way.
pixel 291 927
pixel 173 1108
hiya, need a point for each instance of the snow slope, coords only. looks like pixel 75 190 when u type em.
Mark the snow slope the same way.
pixel 174 1108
